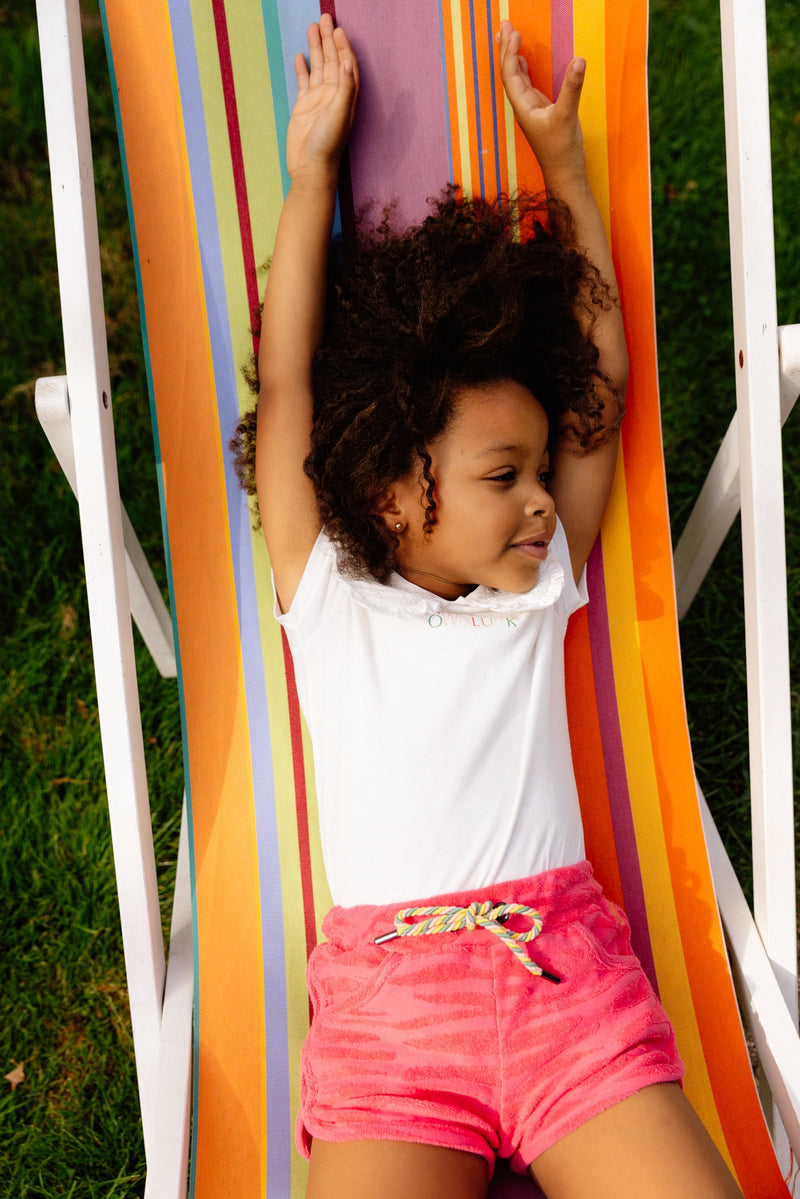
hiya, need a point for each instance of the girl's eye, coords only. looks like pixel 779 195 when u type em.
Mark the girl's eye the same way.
pixel 543 476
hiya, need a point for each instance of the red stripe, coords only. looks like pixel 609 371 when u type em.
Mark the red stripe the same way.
pixel 237 160
pixel 248 259
pixel 301 799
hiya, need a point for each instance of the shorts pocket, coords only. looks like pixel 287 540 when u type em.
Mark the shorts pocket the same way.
pixel 346 980
pixel 605 929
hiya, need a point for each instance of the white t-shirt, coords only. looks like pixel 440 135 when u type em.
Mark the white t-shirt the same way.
pixel 439 728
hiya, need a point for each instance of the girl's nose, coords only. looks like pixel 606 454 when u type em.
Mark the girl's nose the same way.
pixel 540 502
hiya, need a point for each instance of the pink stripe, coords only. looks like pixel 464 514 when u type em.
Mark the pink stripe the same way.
pixel 562 40
pixel 399 148
pixel 614 760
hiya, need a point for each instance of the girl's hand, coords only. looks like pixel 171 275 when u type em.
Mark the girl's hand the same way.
pixel 323 113
pixel 552 129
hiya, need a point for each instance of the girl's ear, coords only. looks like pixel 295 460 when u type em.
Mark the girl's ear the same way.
pixel 399 506
pixel 387 507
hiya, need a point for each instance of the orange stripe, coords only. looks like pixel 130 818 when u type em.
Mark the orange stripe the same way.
pixel 644 511
pixel 231 1081
pixel 535 30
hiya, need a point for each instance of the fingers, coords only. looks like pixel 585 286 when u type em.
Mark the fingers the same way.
pixel 347 59
pixel 315 54
pixel 346 91
pixel 328 51
pixel 513 63
pixel 301 70
pixel 571 87
pixel 509 40
pixel 322 55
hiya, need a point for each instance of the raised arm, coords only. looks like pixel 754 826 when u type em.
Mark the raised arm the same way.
pixel 294 302
pixel 581 480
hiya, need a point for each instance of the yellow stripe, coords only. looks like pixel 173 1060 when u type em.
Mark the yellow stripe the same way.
pixel 589 40
pixel 639 763
pixel 257 128
pixel 589 32
pixel 265 196
pixel 667 947
pixel 462 107
pixel 286 810
pixel 261 158
pixel 665 938
pixel 250 62
pixel 286 819
pixel 508 120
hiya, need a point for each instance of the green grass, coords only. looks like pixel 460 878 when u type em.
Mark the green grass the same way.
pixel 695 334
pixel 72 1127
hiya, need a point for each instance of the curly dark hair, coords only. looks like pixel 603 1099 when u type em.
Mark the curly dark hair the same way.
pixel 482 290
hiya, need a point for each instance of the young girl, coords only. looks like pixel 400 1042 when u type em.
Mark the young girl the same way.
pixel 436 439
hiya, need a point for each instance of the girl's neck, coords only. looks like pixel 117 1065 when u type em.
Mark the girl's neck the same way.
pixel 444 588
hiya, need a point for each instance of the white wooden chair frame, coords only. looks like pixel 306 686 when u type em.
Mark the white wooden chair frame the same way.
pixel 79 421
pixel 76 413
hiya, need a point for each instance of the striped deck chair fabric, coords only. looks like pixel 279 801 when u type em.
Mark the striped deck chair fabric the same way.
pixel 204 92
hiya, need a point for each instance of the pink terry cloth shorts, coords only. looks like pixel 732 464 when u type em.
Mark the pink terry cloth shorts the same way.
pixel 448 1039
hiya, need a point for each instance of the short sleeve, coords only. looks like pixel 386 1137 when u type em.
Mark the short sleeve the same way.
pixel 314 590
pixel 575 595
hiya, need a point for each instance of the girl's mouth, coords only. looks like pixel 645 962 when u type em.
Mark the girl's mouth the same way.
pixel 532 549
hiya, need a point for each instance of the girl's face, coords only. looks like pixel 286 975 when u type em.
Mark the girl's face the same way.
pixel 494 517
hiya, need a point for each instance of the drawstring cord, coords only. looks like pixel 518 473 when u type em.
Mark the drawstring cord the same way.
pixel 488 915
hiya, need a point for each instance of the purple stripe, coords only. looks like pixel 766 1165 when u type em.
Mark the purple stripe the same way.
pixel 614 761
pixel 399 150
pixel 562 40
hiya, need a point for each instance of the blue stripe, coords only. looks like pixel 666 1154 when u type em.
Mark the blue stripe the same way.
pixel 446 95
pixel 476 92
pixel 226 376
pixel 495 114
pixel 280 66
pixel 286 24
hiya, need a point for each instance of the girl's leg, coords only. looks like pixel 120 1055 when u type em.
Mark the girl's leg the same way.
pixel 394 1170
pixel 652 1144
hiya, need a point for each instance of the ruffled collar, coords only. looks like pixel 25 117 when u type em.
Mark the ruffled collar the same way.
pixel 401 598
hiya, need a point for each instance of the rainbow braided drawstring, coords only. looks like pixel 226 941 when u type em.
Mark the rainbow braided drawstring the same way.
pixel 488 915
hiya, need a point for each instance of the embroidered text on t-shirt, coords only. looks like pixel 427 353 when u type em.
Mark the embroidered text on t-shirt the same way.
pixel 460 620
